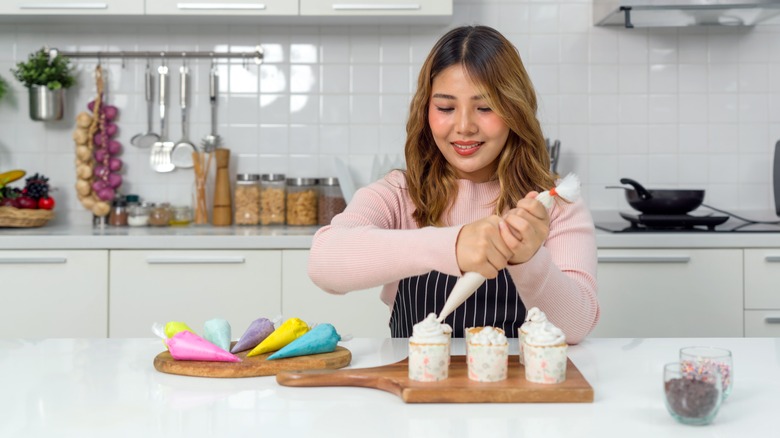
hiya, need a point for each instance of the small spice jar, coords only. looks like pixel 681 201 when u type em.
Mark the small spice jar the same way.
pixel 160 215
pixel 138 215
pixel 331 202
pixel 117 217
pixel 181 215
pixel 272 198
pixel 302 201
pixel 246 198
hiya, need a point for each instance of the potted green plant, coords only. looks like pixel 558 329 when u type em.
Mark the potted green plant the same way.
pixel 46 75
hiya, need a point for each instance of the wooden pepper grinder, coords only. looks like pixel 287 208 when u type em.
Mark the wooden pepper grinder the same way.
pixel 223 208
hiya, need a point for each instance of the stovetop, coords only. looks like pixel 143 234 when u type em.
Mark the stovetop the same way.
pixel 689 223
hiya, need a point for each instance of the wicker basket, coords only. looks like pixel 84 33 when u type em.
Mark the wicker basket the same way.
pixel 24 218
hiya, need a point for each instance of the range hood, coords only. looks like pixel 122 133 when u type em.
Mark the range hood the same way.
pixel 679 13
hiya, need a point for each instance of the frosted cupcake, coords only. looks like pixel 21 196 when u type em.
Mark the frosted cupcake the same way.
pixel 429 350
pixel 533 319
pixel 488 355
pixel 544 349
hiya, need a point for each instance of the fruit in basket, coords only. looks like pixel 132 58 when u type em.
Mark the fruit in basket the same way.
pixel 36 187
pixel 11 176
pixel 9 196
pixel 26 202
pixel 46 203
pixel 9 202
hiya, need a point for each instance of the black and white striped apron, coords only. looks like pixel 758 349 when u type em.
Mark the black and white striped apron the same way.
pixel 495 304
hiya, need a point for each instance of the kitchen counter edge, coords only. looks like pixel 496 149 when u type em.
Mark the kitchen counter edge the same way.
pixel 237 237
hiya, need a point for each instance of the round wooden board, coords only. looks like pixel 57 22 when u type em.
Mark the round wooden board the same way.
pixel 253 366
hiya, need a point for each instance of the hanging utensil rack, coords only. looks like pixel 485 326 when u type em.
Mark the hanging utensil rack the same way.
pixel 257 55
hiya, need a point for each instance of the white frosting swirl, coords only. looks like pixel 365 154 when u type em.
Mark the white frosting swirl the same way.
pixel 488 336
pixel 430 331
pixel 534 318
pixel 545 335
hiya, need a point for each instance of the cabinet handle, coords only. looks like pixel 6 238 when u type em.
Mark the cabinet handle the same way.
pixel 644 259
pixel 772 258
pixel 772 320
pixel 375 7
pixel 63 6
pixel 180 260
pixel 216 6
pixel 33 260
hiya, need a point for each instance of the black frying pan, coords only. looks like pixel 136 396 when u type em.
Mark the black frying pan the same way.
pixel 656 201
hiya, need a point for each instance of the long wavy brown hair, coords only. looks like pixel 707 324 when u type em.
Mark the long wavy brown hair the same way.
pixel 494 65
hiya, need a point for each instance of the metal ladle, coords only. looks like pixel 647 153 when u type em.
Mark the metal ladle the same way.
pixel 149 138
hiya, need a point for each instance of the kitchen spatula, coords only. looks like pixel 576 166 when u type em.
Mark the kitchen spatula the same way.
pixel 568 189
pixel 160 159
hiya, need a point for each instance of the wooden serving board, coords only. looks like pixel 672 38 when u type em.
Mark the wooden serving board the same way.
pixel 253 366
pixel 457 388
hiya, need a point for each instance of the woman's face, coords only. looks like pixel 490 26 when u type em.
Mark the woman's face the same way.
pixel 466 130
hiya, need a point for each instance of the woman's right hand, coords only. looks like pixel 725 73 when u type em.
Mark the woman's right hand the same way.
pixel 481 248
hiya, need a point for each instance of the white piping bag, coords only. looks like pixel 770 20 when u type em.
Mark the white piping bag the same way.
pixel 568 188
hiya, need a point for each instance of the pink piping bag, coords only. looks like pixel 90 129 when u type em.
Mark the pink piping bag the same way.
pixel 186 345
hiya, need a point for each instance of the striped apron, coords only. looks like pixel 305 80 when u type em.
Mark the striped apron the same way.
pixel 495 304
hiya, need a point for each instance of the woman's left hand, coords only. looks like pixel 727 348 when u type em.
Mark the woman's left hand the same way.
pixel 525 228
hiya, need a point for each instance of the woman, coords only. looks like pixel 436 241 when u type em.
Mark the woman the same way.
pixel 476 159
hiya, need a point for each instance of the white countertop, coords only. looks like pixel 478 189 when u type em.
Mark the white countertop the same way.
pixel 109 387
pixel 184 237
pixel 63 236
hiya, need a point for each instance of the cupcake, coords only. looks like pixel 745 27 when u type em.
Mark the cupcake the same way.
pixel 487 355
pixel 429 350
pixel 471 331
pixel 534 318
pixel 544 351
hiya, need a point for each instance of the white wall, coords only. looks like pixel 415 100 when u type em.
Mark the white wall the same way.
pixel 694 108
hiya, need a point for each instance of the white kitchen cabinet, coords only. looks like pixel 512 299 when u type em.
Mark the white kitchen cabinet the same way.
pixel 762 279
pixel 762 323
pixel 54 294
pixel 216 7
pixel 376 8
pixel 359 313
pixel 192 286
pixel 762 292
pixel 72 7
pixel 670 293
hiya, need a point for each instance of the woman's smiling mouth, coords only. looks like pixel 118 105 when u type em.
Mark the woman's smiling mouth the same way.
pixel 465 148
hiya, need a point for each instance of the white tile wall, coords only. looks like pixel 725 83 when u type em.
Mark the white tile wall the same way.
pixel 697 108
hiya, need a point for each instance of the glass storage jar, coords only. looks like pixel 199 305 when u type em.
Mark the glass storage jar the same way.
pixel 272 198
pixel 117 216
pixel 301 201
pixel 331 201
pixel 138 215
pixel 246 198
pixel 160 215
pixel 181 215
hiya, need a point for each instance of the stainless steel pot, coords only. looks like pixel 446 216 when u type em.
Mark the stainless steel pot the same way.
pixel 46 104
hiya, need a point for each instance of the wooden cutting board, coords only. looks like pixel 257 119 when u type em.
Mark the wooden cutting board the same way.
pixel 457 388
pixel 253 366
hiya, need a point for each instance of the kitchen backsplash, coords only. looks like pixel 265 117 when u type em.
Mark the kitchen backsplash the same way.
pixel 689 107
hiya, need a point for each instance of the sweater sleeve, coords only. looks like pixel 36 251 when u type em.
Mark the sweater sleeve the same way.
pixel 560 279
pixel 373 243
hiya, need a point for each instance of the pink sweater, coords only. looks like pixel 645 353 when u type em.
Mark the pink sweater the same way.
pixel 376 242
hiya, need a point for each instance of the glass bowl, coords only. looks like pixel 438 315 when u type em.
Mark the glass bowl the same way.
pixel 692 398
pixel 705 360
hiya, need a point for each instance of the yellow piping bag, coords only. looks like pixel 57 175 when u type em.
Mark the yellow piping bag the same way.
pixel 291 330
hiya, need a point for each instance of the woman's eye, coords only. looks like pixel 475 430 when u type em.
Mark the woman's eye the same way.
pixel 484 109
pixel 444 109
